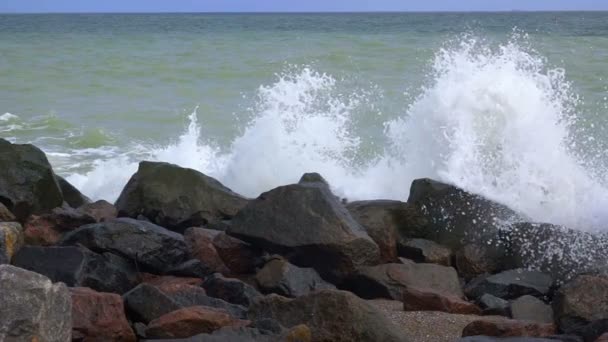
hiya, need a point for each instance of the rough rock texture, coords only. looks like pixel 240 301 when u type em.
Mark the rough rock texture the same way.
pixel 32 308
pixel 425 300
pixel 309 224
pixel 476 259
pixel 193 295
pixel 493 305
pixel 199 242
pixel 191 321
pixel 100 210
pixel 6 215
pixel 239 256
pixel 145 303
pixel 153 248
pixel 170 284
pixel 46 229
pixel 27 182
pixel 280 277
pixel 99 316
pixel 71 195
pixel 176 197
pixel 529 308
pixel 427 251
pixel 510 284
pixel 77 266
pixel 515 339
pixel 580 301
pixel 230 289
pixel 389 280
pixel 11 240
pixel 380 220
pixel 506 328
pixel 331 316
pixel 232 334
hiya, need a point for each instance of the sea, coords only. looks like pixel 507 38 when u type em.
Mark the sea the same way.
pixel 512 106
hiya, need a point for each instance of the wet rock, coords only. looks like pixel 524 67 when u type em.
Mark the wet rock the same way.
pixel 313 178
pixel 230 289
pixel 280 277
pixel 145 303
pixel 78 266
pixel 580 301
pixel 199 242
pixel 176 197
pixel 493 305
pixel 380 220
pixel 99 316
pixel 473 260
pixel 32 308
pixel 529 308
pixel 311 226
pixel 510 284
pixel 27 182
pixel 191 321
pixel 507 328
pixel 47 229
pixel 421 250
pixel 71 195
pixel 6 215
pixel 100 210
pixel 389 280
pixel 154 248
pixel 239 256
pixel 425 300
pixel 11 240
pixel 331 316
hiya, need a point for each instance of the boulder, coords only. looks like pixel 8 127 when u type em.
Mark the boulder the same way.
pixel 473 260
pixel 191 321
pixel 331 315
pixel 507 328
pixel 145 303
pixel 426 251
pixel 27 182
pixel 582 300
pixel 100 210
pixel 553 338
pixel 529 308
pixel 307 223
pixel 510 284
pixel 239 256
pixel 11 240
pixel 153 248
pixel 99 316
pixel 280 277
pixel 389 280
pixel 230 289
pixel 425 300
pixel 170 284
pixel 6 215
pixel 32 308
pixel 176 197
pixel 71 195
pixel 47 229
pixel 193 295
pixel 189 268
pixel 232 334
pixel 493 305
pixel 380 220
pixel 78 266
pixel 199 242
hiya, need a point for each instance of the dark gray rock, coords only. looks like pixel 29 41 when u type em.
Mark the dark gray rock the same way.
pixel 229 334
pixel 475 259
pixel 176 197
pixel 510 284
pixel 71 195
pixel 32 308
pixel 79 267
pixel 311 226
pixel 427 251
pixel 529 308
pixel 313 178
pixel 589 331
pixel 280 277
pixel 153 248
pixel 191 268
pixel 27 182
pixel 229 289
pixel 493 305
pixel 11 240
pixel 582 300
pixel 510 339
pixel 193 296
pixel 389 280
pixel 145 303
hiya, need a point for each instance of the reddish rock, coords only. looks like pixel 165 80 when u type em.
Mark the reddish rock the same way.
pixel 170 284
pixel 420 300
pixel 603 338
pixel 6 215
pixel 508 328
pixel 191 321
pixel 474 259
pixel 46 230
pixel 101 210
pixel 239 256
pixel 98 316
pixel 200 246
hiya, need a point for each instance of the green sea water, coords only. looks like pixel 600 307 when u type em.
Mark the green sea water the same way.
pixel 511 105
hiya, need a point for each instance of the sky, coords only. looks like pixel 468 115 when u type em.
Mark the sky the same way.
pixel 43 6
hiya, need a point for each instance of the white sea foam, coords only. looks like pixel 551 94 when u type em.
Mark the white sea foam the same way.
pixel 8 117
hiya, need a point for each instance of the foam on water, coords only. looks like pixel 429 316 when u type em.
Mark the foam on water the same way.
pixel 495 121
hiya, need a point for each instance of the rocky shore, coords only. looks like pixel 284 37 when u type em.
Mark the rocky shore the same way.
pixel 180 257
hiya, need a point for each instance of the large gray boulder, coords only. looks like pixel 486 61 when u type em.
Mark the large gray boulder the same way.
pixel 307 223
pixel 153 248
pixel 32 308
pixel 176 197
pixel 27 182
pixel 511 284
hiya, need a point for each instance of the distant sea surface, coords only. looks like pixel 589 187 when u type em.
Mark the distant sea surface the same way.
pixel 513 106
